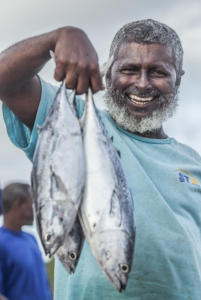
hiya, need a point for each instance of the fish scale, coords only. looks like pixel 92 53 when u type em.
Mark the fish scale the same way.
pixel 58 174
pixel 106 211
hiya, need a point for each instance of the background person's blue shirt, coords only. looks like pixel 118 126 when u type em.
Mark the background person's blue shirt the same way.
pixel 0 201
pixel 165 179
pixel 22 270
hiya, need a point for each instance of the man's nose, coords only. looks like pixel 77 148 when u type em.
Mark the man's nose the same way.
pixel 142 81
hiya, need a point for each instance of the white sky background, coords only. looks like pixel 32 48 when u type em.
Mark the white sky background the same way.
pixel 101 19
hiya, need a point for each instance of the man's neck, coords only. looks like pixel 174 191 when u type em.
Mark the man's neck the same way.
pixel 154 134
pixel 11 224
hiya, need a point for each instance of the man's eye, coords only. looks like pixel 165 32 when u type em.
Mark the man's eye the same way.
pixel 128 71
pixel 158 73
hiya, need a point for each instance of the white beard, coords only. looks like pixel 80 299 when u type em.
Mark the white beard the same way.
pixel 120 113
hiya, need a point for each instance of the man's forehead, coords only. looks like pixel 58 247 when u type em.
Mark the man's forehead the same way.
pixel 152 51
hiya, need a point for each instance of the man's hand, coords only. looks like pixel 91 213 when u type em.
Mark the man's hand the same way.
pixel 76 61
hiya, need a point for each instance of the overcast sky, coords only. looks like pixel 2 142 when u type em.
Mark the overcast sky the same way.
pixel 20 19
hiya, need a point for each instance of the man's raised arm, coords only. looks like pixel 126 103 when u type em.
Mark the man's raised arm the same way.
pixel 76 61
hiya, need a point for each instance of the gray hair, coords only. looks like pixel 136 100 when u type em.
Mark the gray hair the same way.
pixel 148 31
pixel 14 192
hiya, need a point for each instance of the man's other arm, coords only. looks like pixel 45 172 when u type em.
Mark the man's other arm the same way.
pixel 76 62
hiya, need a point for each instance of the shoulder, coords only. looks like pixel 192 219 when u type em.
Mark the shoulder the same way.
pixel 3 233
pixel 29 236
pixel 4 243
pixel 186 149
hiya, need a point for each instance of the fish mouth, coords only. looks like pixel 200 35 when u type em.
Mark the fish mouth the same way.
pixel 119 285
pixel 50 252
pixel 69 268
pixel 51 249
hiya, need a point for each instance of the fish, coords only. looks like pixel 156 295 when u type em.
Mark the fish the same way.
pixel 107 210
pixel 69 252
pixel 58 173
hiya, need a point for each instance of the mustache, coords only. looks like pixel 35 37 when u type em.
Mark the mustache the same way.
pixel 120 96
pixel 147 93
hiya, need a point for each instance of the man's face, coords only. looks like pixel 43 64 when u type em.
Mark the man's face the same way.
pixel 26 212
pixel 143 85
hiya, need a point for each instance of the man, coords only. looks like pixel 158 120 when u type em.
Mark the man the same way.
pixel 143 77
pixel 0 201
pixel 22 271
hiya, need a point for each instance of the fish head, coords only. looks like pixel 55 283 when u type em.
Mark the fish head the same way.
pixel 75 244
pixel 71 248
pixel 115 257
pixel 68 258
pixel 50 228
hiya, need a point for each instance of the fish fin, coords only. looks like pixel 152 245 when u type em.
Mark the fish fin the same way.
pixel 88 97
pixel 83 117
pixel 72 102
pixel 115 209
pixel 57 183
pixel 72 98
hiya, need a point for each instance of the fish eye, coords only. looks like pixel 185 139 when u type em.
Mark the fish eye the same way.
pixel 48 237
pixel 72 255
pixel 124 268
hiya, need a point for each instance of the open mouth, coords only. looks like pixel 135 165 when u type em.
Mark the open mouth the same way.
pixel 140 101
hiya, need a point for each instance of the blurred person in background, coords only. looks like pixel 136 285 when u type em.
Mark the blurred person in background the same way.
pixel 22 271
pixel 143 76
pixel 0 201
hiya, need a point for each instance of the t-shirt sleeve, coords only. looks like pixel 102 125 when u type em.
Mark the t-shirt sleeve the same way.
pixel 20 135
pixel 1 280
pixel 2 261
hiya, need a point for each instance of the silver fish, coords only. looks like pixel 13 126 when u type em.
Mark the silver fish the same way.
pixel 106 211
pixel 58 174
pixel 70 251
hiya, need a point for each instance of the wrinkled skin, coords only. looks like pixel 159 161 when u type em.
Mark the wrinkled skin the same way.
pixel 143 70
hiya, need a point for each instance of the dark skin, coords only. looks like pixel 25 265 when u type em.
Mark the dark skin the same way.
pixel 143 66
pixel 137 70
pixel 20 214
pixel 76 62
pixel 3 297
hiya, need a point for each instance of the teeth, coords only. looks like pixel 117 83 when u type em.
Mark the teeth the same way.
pixel 139 99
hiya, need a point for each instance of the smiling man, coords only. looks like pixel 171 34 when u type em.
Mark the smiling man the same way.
pixel 143 75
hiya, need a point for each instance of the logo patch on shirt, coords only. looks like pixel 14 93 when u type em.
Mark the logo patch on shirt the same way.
pixel 186 177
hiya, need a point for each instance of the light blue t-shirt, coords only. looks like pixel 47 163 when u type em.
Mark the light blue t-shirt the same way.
pixel 165 179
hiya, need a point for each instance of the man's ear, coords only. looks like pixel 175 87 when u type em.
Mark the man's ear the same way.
pixel 108 77
pixel 178 80
pixel 17 205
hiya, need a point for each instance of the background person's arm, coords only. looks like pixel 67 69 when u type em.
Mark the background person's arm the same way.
pixel 76 61
pixel 1 285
